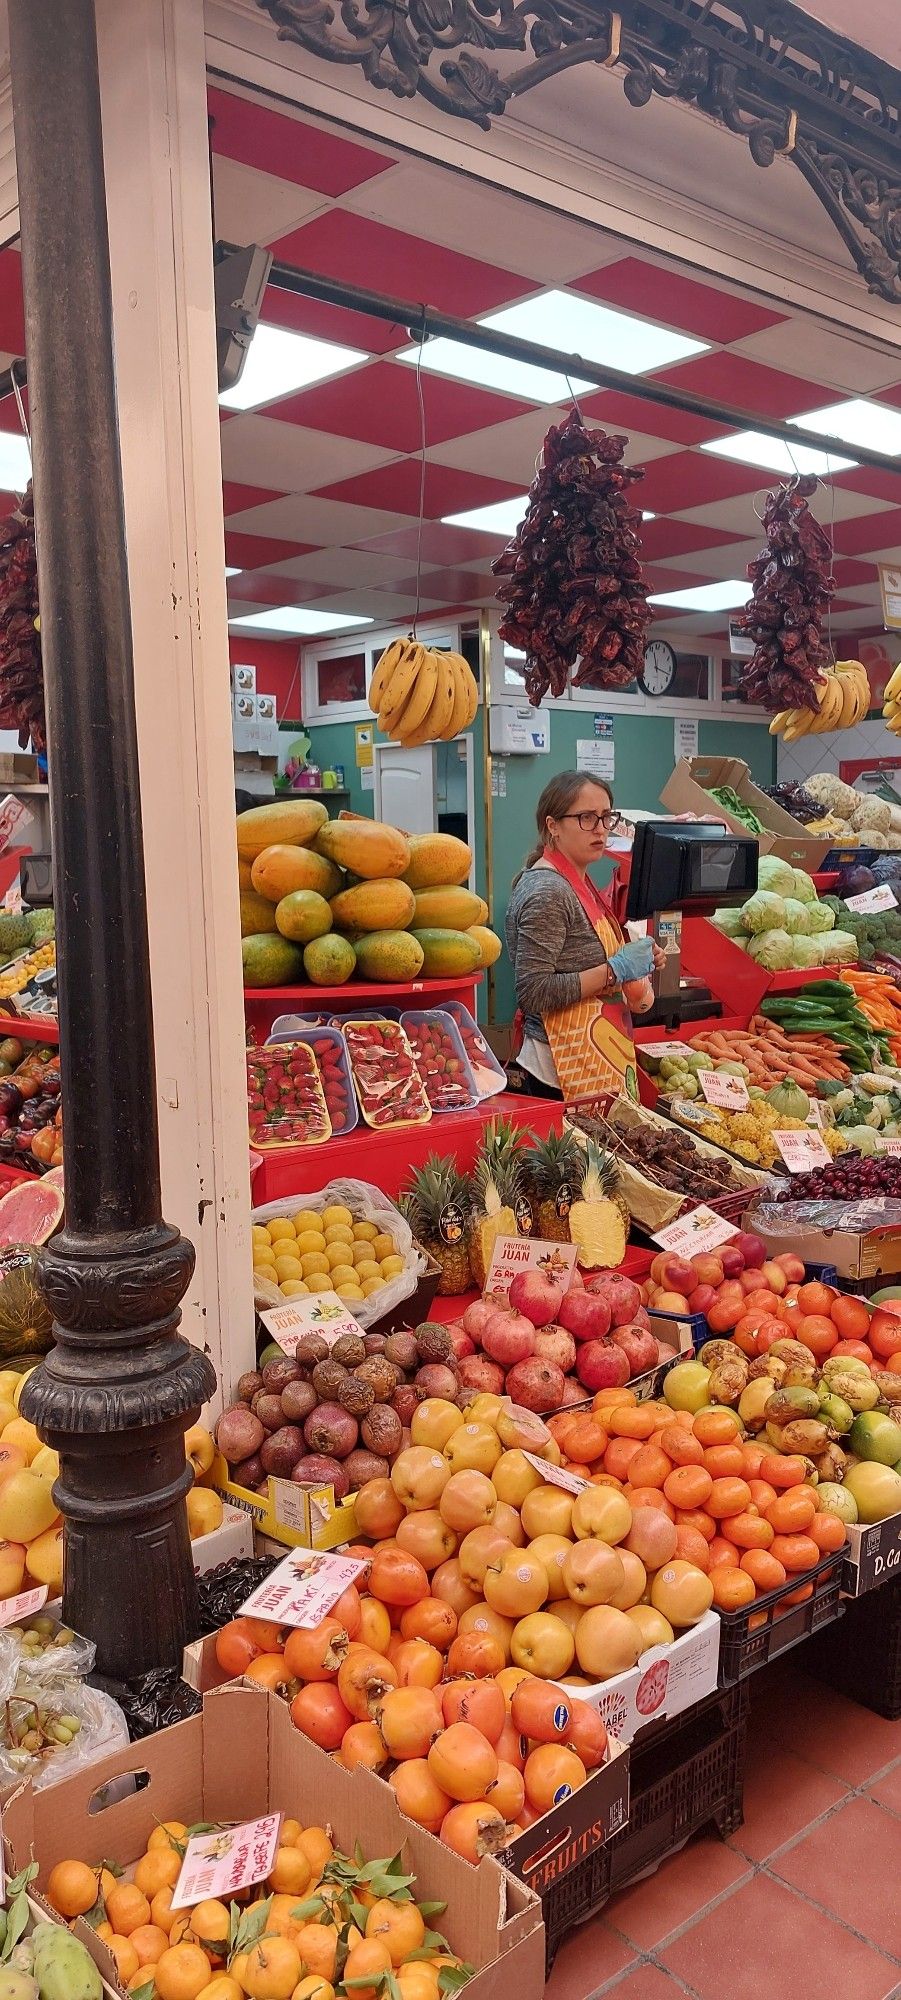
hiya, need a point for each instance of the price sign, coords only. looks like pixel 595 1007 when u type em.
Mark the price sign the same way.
pixel 722 1088
pixel 13 1609
pixel 556 1475
pixel 512 1254
pixel 872 900
pixel 324 1314
pixel 802 1150
pixel 302 1589
pixel 219 1864
pixel 658 1050
pixel 814 1116
pixel 889 1146
pixel 701 1230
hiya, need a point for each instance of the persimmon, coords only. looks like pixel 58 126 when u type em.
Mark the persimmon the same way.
pixel 317 1653
pixel 791 1512
pixel 477 1653
pixel 480 1702
pixel 375 1623
pixel 688 1486
pixel 732 1589
pixel 540 1711
pixel 397 1577
pixel 551 1773
pixel 463 1762
pixel 236 1647
pixel 511 1747
pixel 828 1532
pixel 509 1679
pixel 649 1467
pixel 587 1734
pixel 724 1461
pixel 363 1744
pixel 765 1569
pixel 748 1531
pixel 681 1445
pixel 430 1620
pixel 795 1552
pixel 508 1791
pixel 319 1712
pixel 474 1828
pixel 419 1795
pixel 486 1623
pixel 347 1611
pixel 716 1427
pixel 409 1718
pixel 269 1671
pixel 363 1678
pixel 728 1496
pixel 416 1663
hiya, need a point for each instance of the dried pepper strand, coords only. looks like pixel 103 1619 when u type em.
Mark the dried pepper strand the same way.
pixel 793 584
pixel 571 577
pixel 21 666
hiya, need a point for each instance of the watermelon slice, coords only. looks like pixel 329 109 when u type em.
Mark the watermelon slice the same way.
pixel 53 1178
pixel 30 1212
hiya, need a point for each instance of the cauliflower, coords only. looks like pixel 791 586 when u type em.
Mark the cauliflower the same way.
pixel 834 796
pixel 819 919
pixel 795 920
pixel 773 949
pixel 803 889
pixel 727 921
pixel 775 875
pixel 839 947
pixel 872 814
pixel 763 912
pixel 806 951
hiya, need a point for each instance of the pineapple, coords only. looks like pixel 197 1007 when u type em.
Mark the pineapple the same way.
pixel 437 1207
pixel 596 1221
pixel 498 1182
pixel 555 1167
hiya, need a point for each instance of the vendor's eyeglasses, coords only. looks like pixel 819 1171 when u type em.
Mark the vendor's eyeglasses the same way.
pixel 589 822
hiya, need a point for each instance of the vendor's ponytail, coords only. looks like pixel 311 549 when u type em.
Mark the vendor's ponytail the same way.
pixel 557 799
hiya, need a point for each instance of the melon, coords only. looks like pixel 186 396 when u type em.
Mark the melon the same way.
pixel 257 915
pixel 488 942
pixel 303 915
pixel 26 1322
pixel 374 906
pixel 389 955
pixel 294 820
pixel 452 909
pixel 437 858
pixel 279 870
pixel 329 961
pixel 447 954
pixel 29 1213
pixel 270 961
pixel 366 846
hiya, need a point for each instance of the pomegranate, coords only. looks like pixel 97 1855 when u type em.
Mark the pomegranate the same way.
pixel 553 1343
pixel 317 1469
pixel 585 1314
pixel 639 1347
pixel 481 1376
pixel 622 1295
pixel 602 1365
pixel 460 1342
pixel 536 1385
pixel 573 1392
pixel 476 1317
pixel 535 1296
pixel 508 1338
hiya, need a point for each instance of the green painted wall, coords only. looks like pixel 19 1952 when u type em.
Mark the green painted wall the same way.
pixel 643 763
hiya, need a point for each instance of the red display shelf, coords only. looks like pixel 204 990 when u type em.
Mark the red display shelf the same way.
pixel 385 1158
pixel 30 1028
pixel 795 981
pixel 262 1004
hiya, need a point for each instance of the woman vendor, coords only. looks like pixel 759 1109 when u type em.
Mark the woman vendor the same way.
pixel 571 961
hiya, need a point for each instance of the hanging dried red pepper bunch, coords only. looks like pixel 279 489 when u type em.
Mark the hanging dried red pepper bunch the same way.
pixel 571 575
pixel 786 615
pixel 21 667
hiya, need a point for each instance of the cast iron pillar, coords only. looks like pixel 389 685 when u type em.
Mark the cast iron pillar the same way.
pixel 116 1394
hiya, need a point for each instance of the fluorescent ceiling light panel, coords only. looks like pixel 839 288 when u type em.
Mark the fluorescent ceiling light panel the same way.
pixel 231 572
pixel 706 597
pixel 561 320
pixel 15 462
pixel 501 518
pixel 872 425
pixel 279 363
pixel 755 448
pixel 293 618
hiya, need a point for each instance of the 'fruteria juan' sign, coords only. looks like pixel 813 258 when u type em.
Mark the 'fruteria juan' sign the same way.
pixel 512 1254
pixel 802 1150
pixel 219 1863
pixel 302 1589
pixel 871 901
pixel 700 1230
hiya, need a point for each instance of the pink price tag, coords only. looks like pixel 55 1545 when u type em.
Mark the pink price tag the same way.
pixel 720 1087
pixel 303 1588
pixel 12 1609
pixel 701 1230
pixel 325 1314
pixel 802 1150
pixel 556 1475
pixel 218 1864
pixel 873 900
pixel 889 1146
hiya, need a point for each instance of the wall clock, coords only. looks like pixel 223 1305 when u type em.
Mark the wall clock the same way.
pixel 659 669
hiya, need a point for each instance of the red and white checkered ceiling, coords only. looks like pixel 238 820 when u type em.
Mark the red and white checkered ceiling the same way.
pixel 321 488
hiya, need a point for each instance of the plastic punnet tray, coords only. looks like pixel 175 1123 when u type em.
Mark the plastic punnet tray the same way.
pixel 439 1017
pixel 343 1118
pixel 306 1125
pixel 375 1114
pixel 490 1075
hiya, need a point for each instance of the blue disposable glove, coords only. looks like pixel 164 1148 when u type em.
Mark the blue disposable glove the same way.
pixel 633 961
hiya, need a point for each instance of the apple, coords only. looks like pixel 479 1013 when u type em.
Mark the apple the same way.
pixel 536 1297
pixel 671 1302
pixel 586 1314
pixel 708 1269
pixel 702 1298
pixel 732 1260
pixel 639 1346
pixel 792 1266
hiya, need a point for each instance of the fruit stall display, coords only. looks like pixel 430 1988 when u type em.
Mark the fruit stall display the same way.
pixel 27 949
pixel 31 1118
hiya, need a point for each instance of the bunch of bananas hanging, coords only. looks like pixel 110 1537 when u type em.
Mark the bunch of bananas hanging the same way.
pixel 891 701
pixel 422 696
pixel 844 699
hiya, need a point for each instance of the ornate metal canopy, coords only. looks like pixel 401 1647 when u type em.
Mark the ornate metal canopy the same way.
pixel 763 70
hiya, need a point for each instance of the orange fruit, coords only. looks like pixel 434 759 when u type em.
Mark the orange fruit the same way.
pixel 795 1552
pixel 721 1554
pixel 828 1532
pixel 680 1445
pixel 144 1977
pixel 696 1517
pixel 816 1297
pixel 625 1421
pixel 72 1888
pixel 850 1316
pixel 748 1531
pixel 290 1873
pixel 161 1911
pixel 371 1956
pixel 210 1926
pixel 723 1460
pixel 783 1470
pixel 764 1568
pixel 127 1960
pixel 315 1844
pixel 650 1466
pixel 728 1496
pixel 792 1512
pixel 732 1588
pixel 183 1972
pixel 818 1332
pixel 150 1942
pixel 127 1908
pixel 273 1969
pixel 762 1493
pixel 168 1831
pixel 159 1869
pixel 318 1947
pixel 398 1925
pixel 716 1427
pixel 688 1486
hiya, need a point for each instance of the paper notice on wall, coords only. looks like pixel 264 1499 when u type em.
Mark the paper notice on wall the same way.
pixel 367 778
pixel 685 737
pixel 596 756
pixel 890 585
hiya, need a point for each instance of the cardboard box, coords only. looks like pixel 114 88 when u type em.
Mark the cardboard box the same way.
pixel 877 1254
pixel 556 1842
pixel 16 769
pixel 677 1339
pixel 873 1556
pixel 242 1758
pixel 667 1680
pixel 688 790
pixel 233 1538
pixel 300 1517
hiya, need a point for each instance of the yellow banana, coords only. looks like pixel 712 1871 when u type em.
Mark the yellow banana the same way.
pixel 400 686
pixel 472 695
pixel 442 708
pixel 893 684
pixel 459 669
pixel 831 707
pixel 801 726
pixel 384 668
pixel 779 721
pixel 421 696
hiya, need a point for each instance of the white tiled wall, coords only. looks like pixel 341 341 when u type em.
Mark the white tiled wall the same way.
pixel 797 761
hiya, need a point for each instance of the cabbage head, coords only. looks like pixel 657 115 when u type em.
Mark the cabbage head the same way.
pixel 807 951
pixel 729 922
pixel 804 889
pixel 795 920
pixel 763 912
pixel 819 919
pixel 772 949
pixel 775 875
pixel 839 948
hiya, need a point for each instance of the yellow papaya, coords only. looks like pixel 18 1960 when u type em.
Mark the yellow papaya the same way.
pixel 447 954
pixel 374 906
pixel 448 908
pixel 294 820
pixel 488 942
pixel 437 858
pixel 281 869
pixel 366 846
pixel 257 915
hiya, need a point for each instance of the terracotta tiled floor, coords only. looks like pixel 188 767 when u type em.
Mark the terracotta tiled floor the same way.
pixel 801 1901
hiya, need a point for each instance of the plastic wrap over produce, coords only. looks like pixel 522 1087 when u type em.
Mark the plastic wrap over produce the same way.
pixel 785 1220
pixel 366 1204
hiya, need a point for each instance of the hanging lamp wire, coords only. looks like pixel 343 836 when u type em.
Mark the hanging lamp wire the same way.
pixel 422 447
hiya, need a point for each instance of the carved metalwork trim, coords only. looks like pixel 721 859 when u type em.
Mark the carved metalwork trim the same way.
pixel 758 67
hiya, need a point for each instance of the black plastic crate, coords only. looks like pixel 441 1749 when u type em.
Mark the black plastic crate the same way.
pixel 861 1656
pixel 761 1631
pixel 683 1774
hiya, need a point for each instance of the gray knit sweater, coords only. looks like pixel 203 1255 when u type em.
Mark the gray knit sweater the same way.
pixel 546 928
